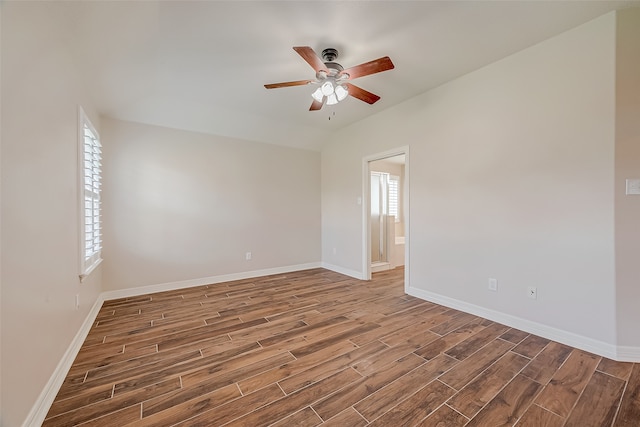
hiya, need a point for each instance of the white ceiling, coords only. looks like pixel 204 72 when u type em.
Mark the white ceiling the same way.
pixel 202 65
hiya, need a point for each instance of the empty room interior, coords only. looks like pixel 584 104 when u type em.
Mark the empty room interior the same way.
pixel 339 213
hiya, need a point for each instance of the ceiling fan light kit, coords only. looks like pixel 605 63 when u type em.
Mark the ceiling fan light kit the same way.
pixel 332 77
pixel 332 91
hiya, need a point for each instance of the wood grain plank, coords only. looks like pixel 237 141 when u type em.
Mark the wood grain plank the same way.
pixel 475 342
pixel 531 346
pixel 598 403
pixel 231 410
pixel 297 366
pixel 121 417
pixel 417 407
pixel 468 369
pixel 620 370
pixel 89 412
pixel 358 390
pixel 348 417
pixel 303 418
pixel 472 397
pixel 514 335
pixel 376 404
pixel 568 382
pixel 329 367
pixel 444 416
pixel 629 412
pixel 174 407
pixel 294 402
pixel 537 416
pixel 457 320
pixel 508 405
pixel 547 362
pixel 441 345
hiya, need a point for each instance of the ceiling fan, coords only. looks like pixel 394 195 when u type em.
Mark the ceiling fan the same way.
pixel 332 79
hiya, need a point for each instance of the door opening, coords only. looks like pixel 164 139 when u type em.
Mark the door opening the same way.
pixel 386 213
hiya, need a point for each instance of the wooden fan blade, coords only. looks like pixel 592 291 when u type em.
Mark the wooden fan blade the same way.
pixel 361 94
pixel 312 59
pixel 371 67
pixel 315 105
pixel 288 84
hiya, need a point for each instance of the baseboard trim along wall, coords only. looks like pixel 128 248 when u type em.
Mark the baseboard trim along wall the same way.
pixel 43 403
pixel 346 271
pixel 171 286
pixel 621 354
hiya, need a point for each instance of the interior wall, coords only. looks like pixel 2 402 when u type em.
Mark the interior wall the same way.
pixel 511 178
pixel 627 161
pixel 40 206
pixel 182 206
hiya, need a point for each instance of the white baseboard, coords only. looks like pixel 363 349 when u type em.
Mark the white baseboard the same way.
pixel 628 354
pixel 347 272
pixel 43 403
pixel 171 286
pixel 622 354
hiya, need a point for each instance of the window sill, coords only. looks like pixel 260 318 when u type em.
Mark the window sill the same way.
pixel 90 270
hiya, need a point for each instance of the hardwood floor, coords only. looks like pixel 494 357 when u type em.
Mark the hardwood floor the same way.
pixel 319 348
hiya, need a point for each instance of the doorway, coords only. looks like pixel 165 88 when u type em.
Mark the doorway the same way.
pixel 386 212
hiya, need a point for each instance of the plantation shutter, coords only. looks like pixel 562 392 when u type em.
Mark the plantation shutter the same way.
pixel 92 163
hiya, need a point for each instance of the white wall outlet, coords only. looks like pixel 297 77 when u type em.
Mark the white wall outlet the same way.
pixel 532 292
pixel 247 256
pixel 493 285
pixel 334 251
pixel 77 301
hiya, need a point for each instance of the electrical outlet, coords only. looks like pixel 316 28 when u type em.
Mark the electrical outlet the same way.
pixel 248 256
pixel 334 251
pixel 493 285
pixel 77 301
pixel 532 292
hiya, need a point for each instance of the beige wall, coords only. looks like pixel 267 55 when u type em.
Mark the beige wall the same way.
pixel 627 161
pixel 511 177
pixel 181 205
pixel 40 250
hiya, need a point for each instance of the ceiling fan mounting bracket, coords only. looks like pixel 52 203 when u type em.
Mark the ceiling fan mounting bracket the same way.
pixel 330 54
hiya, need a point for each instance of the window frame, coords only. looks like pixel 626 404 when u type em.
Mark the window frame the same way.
pixel 88 264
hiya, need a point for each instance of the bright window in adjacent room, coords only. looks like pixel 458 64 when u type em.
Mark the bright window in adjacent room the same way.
pixel 90 181
pixel 394 197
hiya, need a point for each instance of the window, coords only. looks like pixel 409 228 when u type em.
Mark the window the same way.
pixel 393 196
pixel 90 181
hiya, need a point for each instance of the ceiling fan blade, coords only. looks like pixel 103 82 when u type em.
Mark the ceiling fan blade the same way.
pixel 371 67
pixel 361 94
pixel 315 105
pixel 312 59
pixel 288 84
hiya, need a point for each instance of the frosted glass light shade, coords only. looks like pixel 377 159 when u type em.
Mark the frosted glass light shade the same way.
pixel 341 92
pixel 317 95
pixel 332 100
pixel 327 88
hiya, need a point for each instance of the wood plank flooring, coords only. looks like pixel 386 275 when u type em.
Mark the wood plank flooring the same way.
pixel 319 348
